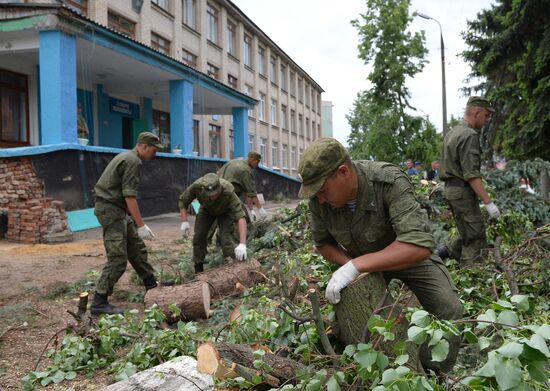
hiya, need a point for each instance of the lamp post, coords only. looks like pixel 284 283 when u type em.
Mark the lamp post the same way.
pixel 443 89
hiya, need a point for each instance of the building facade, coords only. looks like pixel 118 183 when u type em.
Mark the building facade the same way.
pixel 326 110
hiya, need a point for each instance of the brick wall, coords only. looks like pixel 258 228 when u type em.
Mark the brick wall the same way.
pixel 31 215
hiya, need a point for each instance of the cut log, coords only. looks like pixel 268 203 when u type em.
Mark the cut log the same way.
pixel 359 301
pixel 230 279
pixel 192 298
pixel 224 360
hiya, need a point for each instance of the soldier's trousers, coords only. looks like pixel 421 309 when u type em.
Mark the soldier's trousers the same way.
pixel 122 244
pixel 469 222
pixel 203 223
pixel 431 283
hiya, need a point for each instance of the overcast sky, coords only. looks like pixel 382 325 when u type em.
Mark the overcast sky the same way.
pixel 318 36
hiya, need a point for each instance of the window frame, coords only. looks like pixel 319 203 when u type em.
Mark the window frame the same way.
pixel 261 60
pixel 215 130
pixel 232 38
pixel 21 89
pixel 247 50
pixel 119 18
pixel 212 71
pixel 190 22
pixel 212 24
pixel 156 43
pixel 194 57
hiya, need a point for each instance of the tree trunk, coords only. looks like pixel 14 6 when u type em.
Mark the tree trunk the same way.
pixel 544 184
pixel 225 360
pixel 192 298
pixel 229 279
pixel 359 300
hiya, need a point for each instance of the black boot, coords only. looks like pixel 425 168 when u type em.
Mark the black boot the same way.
pixel 443 252
pixel 151 282
pixel 199 268
pixel 101 306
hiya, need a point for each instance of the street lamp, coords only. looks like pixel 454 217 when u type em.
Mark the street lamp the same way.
pixel 443 90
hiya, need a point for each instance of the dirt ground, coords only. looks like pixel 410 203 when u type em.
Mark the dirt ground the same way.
pixel 30 311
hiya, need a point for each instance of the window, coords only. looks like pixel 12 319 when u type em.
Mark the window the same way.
pixel 79 5
pixel 232 81
pixel 161 122
pixel 160 44
pixel 273 112
pixel 261 107
pixel 251 142
pixel 14 109
pixel 196 137
pixel 300 155
pixel 231 144
pixel 212 23
pixel 283 77
pixel 231 38
pixel 263 147
pixel 164 4
pixel 214 132
pixel 212 70
pixel 319 106
pixel 300 90
pixel 284 153
pixel 274 153
pixel 292 121
pixel 318 130
pixel 273 69
pixel 292 83
pixel 121 24
pixel 313 129
pixel 307 128
pixel 189 58
pixel 283 117
pixel 261 60
pixel 247 50
pixel 293 158
pixel 300 124
pixel 189 11
pixel 307 95
pixel 249 90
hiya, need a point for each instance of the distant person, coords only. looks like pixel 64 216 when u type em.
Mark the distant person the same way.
pixel 411 170
pixel 420 171
pixel 525 185
pixel 117 210
pixel 433 173
pixel 460 170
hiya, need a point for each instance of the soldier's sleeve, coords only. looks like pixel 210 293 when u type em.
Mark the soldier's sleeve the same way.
pixel 408 219
pixel 248 185
pixel 321 235
pixel 235 206
pixel 187 196
pixel 470 157
pixel 130 178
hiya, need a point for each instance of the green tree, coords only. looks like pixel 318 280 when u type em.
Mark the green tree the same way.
pixel 381 123
pixel 509 49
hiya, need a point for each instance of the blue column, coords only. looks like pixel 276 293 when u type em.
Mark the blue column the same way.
pixel 148 112
pixel 181 115
pixel 240 129
pixel 57 56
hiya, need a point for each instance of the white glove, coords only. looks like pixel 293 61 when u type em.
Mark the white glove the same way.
pixel 253 216
pixel 184 228
pixel 263 213
pixel 494 213
pixel 145 233
pixel 240 252
pixel 339 280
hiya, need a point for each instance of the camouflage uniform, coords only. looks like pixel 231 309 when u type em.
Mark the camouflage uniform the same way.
pixel 226 210
pixel 122 243
pixel 460 162
pixel 387 210
pixel 239 173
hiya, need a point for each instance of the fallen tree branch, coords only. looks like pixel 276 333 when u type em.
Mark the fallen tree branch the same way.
pixel 316 307
pixel 512 283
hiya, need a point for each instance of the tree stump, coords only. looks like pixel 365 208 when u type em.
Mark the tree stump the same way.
pixel 359 301
pixel 229 279
pixel 192 298
pixel 226 360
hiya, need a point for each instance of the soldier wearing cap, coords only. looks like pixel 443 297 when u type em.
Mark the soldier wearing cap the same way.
pixel 460 170
pixel 239 173
pixel 218 203
pixel 117 210
pixel 365 218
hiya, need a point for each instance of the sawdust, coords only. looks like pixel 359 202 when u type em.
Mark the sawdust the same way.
pixel 79 247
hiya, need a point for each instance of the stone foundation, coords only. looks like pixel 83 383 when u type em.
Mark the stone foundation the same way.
pixel 31 215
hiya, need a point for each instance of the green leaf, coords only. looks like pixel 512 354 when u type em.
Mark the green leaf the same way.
pixel 488 370
pixel 388 336
pixel 484 342
pixel 509 318
pixel 70 375
pixel 508 373
pixel 489 316
pixel 436 337
pixel 421 318
pixel 470 336
pixel 502 304
pixel 521 301
pixel 538 343
pixel 400 360
pixel 537 371
pixel 416 334
pixel 332 384
pixel 440 351
pixel 402 371
pixel 544 331
pixel 390 375
pixel 366 358
pixel 511 349
pixel 349 350
pixel 382 361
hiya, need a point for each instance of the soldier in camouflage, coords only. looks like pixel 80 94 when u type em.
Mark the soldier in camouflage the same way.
pixel 365 217
pixel 117 210
pixel 460 170
pixel 218 203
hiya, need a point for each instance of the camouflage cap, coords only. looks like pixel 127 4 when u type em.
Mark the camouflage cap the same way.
pixel 255 155
pixel 478 101
pixel 149 138
pixel 319 161
pixel 210 185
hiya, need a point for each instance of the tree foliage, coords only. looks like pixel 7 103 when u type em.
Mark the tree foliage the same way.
pixel 382 126
pixel 509 49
